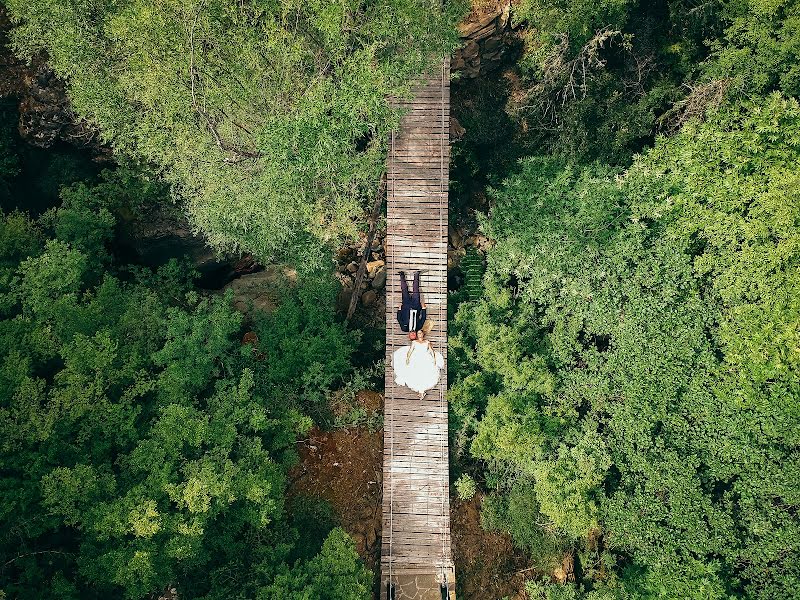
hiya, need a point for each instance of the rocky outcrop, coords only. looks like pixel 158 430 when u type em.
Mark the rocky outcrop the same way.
pixel 46 116
pixel 258 292
pixel 486 41
pixel 162 232
pixel 457 130
pixel 458 242
pixel 372 286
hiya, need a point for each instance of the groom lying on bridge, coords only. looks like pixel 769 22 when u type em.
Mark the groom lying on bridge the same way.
pixel 412 313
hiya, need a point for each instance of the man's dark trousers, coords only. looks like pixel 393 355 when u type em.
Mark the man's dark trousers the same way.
pixel 411 315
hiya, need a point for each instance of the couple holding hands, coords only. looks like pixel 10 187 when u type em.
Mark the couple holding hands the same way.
pixel 417 365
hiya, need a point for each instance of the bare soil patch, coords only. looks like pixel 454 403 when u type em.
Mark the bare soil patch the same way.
pixel 344 467
pixel 488 567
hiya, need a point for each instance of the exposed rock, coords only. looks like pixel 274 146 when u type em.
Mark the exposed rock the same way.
pixel 457 130
pixel 379 280
pixel 485 43
pixel 369 298
pixel 343 300
pixel 455 236
pixel 373 266
pixel 346 281
pixel 348 261
pixel 45 113
pixel 164 233
pixel 256 291
pixel 454 257
pixel 470 50
pixel 246 264
pixel 478 241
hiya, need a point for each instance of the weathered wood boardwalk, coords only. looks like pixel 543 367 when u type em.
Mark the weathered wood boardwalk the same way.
pixel 415 552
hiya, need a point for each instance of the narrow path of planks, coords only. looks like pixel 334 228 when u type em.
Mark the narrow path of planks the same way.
pixel 415 551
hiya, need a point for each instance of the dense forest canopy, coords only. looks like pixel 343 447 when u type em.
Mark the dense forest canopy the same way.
pixel 651 398
pixel 624 359
pixel 627 388
pixel 143 446
pixel 603 78
pixel 269 119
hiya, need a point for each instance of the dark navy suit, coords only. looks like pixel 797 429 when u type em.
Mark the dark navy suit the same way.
pixel 411 315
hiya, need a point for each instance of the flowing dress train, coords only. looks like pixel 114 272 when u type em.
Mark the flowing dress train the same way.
pixel 417 366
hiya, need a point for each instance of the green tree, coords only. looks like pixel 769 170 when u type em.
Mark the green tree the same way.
pixel 143 446
pixel 637 348
pixel 336 573
pixel 269 119
pixel 760 49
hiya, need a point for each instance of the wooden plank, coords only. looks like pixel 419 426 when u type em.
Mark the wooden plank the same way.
pixel 421 545
pixel 421 525
pixel 398 462
pixel 429 413
pixel 409 495
pixel 399 509
pixel 419 515
pixel 412 453
pixel 404 491
pixel 414 522
pixel 417 185
pixel 416 446
pixel 410 569
pixel 410 198
pixel 438 144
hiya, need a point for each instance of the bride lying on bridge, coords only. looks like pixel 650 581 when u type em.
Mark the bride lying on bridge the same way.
pixel 417 366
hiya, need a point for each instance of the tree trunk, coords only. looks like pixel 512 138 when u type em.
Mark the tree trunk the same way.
pixel 373 222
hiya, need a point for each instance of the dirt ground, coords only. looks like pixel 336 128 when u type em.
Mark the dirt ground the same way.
pixel 487 565
pixel 344 467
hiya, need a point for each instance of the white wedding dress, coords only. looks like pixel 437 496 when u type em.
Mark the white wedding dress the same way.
pixel 418 370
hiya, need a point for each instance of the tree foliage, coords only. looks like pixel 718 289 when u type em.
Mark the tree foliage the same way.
pixel 760 49
pixel 143 446
pixel 600 80
pixel 632 369
pixel 268 118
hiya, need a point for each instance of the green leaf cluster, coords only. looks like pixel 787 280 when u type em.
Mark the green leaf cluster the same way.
pixel 268 119
pixel 142 445
pixel 631 379
pixel 601 80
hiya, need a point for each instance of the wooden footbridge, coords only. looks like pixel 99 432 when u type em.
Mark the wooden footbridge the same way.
pixel 416 559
